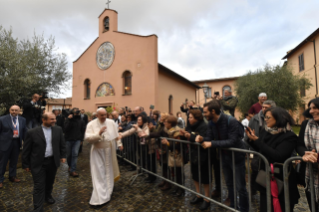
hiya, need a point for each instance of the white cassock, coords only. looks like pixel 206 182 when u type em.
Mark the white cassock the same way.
pixel 103 161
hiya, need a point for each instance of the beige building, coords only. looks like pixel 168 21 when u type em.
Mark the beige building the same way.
pixel 303 61
pixel 120 69
pixel 58 104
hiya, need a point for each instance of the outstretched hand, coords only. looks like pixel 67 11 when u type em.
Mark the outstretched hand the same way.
pixel 120 137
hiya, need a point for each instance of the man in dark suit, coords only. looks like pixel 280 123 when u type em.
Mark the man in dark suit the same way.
pixel 59 119
pixel 84 117
pixel 32 111
pixel 12 132
pixel 43 150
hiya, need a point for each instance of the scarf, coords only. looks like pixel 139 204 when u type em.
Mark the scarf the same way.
pixel 276 130
pixel 312 142
pixel 261 118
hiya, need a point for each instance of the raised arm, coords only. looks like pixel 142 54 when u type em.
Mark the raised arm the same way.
pixel 128 132
pixel 91 136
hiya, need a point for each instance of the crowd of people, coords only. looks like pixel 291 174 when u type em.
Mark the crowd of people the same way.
pixel 266 128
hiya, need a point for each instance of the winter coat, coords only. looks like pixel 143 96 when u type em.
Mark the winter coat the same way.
pixel 225 134
pixel 199 128
pixel 277 149
pixel 74 129
pixel 229 104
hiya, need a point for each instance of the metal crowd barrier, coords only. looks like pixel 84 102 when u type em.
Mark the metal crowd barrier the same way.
pixel 137 155
pixel 286 183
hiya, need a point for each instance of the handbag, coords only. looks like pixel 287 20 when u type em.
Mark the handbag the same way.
pixel 274 190
pixel 177 157
pixel 261 179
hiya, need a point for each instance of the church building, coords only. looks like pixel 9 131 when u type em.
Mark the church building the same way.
pixel 120 69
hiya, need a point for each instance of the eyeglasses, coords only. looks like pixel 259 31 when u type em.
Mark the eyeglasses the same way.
pixel 267 117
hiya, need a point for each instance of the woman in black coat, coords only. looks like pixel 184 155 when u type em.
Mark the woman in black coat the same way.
pixel 197 126
pixel 276 142
pixel 309 154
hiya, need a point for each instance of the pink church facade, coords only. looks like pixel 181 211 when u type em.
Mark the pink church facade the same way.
pixel 120 69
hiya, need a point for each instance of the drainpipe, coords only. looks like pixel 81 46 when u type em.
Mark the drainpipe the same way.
pixel 314 48
pixel 315 66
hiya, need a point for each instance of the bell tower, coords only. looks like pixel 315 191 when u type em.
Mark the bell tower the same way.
pixel 108 21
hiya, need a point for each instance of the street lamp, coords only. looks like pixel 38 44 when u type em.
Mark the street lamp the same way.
pixel 205 89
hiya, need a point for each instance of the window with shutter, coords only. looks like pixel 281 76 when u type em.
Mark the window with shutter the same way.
pixel 301 63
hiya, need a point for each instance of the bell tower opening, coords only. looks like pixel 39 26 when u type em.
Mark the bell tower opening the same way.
pixel 106 24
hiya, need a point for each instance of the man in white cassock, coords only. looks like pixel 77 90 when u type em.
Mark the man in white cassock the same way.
pixel 102 133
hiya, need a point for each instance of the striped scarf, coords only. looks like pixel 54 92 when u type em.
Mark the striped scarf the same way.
pixel 312 142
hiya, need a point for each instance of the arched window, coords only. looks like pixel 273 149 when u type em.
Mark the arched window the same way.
pixel 224 88
pixel 87 89
pixel 127 82
pixel 106 24
pixel 170 104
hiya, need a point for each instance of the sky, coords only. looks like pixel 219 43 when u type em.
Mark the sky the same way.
pixel 204 39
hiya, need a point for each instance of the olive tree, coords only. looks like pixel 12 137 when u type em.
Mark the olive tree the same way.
pixel 280 84
pixel 29 66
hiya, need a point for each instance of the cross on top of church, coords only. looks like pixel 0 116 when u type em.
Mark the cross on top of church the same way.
pixel 108 4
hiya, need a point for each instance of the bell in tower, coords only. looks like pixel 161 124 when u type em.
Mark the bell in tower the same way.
pixel 106 24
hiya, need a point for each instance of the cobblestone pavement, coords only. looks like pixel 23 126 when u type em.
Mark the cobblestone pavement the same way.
pixel 73 194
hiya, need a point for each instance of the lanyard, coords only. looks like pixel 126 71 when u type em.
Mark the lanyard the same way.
pixel 14 125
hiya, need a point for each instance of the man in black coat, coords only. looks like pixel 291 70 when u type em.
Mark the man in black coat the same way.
pixel 13 129
pixel 59 119
pixel 43 150
pixel 74 133
pixel 32 110
pixel 224 132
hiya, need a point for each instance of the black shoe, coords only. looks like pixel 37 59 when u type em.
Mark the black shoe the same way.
pixel 174 190
pixel 133 168
pixel 148 180
pixel 95 206
pixel 50 200
pixel 196 200
pixel 204 205
pixel 180 192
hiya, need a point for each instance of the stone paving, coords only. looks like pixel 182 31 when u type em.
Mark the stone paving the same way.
pixel 73 194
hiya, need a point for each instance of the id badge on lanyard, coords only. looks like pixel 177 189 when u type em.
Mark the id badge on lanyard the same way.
pixel 15 130
pixel 15 133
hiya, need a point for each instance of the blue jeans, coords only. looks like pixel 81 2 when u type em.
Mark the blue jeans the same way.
pixel 32 124
pixel 73 148
pixel 240 181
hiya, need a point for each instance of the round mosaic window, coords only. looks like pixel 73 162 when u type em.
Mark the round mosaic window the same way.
pixel 105 55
